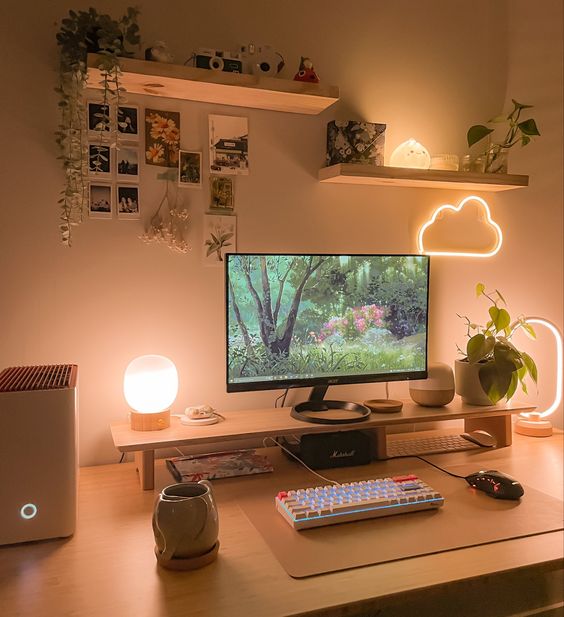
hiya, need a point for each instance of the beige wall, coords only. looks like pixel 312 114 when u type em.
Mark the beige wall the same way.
pixel 428 70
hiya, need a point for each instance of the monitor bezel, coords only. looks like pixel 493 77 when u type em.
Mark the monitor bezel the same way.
pixel 337 380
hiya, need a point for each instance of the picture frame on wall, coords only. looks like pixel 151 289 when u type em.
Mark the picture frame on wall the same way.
pixel 162 137
pixel 190 169
pixel 229 145
pixel 128 121
pixel 100 201
pixel 99 160
pixel 98 118
pixel 222 196
pixel 220 237
pixel 127 166
pixel 128 201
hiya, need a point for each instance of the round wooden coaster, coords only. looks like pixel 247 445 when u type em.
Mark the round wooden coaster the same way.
pixel 383 405
pixel 191 563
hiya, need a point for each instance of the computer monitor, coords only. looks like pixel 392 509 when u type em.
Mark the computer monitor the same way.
pixel 318 320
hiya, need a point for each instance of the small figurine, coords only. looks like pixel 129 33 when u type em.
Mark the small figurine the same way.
pixel 306 72
pixel 159 52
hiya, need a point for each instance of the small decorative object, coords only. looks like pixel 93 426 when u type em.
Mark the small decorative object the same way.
pixel 169 224
pixel 355 142
pixel 435 391
pixel 100 201
pixel 190 169
pixel 186 526
pixel 536 423
pixel 219 237
pixel 261 60
pixel 493 367
pixel 466 230
pixel 518 131
pixel 150 386
pixel 410 154
pixel 159 52
pixel 474 164
pixel 200 415
pixel 444 161
pixel 82 32
pixel 128 201
pixel 128 121
pixel 221 193
pixel 229 145
pixel 99 160
pixel 162 137
pixel 218 60
pixel 127 163
pixel 306 72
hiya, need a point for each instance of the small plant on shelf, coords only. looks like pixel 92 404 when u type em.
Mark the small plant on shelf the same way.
pixel 501 366
pixel 518 131
pixel 84 32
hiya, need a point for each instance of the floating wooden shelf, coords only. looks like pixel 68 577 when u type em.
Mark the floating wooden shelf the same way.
pixel 188 83
pixel 349 173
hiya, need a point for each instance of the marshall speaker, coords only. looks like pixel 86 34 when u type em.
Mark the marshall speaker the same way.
pixel 340 449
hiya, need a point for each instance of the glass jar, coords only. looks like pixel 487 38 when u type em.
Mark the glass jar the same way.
pixel 496 160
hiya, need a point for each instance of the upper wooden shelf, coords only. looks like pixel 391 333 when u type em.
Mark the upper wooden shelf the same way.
pixel 188 83
pixel 349 173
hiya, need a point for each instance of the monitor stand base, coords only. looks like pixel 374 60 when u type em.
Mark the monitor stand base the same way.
pixel 306 412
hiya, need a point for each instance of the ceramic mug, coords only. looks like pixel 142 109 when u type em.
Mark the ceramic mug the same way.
pixel 185 521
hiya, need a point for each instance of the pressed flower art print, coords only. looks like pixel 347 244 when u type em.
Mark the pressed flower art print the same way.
pixel 162 137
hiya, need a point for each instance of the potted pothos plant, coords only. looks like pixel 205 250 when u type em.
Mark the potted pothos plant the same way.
pixel 518 131
pixel 492 367
pixel 84 32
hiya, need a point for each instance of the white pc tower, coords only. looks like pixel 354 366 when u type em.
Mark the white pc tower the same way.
pixel 38 452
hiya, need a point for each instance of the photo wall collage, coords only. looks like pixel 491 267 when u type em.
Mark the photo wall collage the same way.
pixel 114 171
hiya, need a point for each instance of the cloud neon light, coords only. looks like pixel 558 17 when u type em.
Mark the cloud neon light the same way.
pixel 447 207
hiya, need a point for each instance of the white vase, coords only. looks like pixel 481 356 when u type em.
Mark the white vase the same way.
pixel 467 382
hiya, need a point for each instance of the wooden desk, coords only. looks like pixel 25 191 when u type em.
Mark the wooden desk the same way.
pixel 261 423
pixel 108 568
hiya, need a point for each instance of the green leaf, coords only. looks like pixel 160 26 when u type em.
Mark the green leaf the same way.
pixel 520 105
pixel 512 386
pixel 476 133
pixel 494 312
pixel 525 140
pixel 531 366
pixel 495 381
pixel 500 317
pixel 474 348
pixel 528 329
pixel 529 127
pixel 480 288
pixel 500 296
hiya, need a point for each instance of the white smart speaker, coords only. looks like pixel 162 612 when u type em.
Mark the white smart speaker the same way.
pixel 38 448
pixel 435 391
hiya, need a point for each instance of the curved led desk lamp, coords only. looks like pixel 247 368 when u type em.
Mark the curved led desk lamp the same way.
pixel 535 423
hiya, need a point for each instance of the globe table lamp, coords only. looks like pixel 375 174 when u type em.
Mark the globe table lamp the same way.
pixel 150 386
pixel 536 423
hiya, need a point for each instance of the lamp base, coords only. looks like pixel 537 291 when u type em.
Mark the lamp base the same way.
pixel 149 421
pixel 533 426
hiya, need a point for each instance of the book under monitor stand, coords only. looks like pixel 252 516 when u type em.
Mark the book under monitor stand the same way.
pixel 248 424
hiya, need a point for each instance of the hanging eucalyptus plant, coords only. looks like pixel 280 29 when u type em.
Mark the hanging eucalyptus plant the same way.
pixel 84 32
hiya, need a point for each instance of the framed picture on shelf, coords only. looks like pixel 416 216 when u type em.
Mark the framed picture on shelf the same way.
pixel 127 163
pixel 98 118
pixel 128 121
pixel 190 169
pixel 220 236
pixel 99 160
pixel 128 201
pixel 229 145
pixel 222 193
pixel 100 201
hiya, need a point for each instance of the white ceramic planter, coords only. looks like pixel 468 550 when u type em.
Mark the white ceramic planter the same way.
pixel 467 382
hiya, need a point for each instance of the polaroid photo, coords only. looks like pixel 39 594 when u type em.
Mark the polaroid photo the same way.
pixel 99 160
pixel 220 237
pixel 98 118
pixel 128 201
pixel 100 201
pixel 128 121
pixel 127 158
pixel 229 145
pixel 222 193
pixel 190 169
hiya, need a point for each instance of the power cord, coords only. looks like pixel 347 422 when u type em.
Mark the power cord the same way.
pixel 428 463
pixel 283 397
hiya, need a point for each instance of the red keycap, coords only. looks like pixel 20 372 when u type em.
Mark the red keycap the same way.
pixel 405 478
pixel 282 495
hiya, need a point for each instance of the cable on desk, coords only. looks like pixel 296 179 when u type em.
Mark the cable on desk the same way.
pixel 432 465
pixel 283 397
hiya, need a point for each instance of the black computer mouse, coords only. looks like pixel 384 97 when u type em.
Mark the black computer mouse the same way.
pixel 496 484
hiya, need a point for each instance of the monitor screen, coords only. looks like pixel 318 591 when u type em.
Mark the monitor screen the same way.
pixel 301 320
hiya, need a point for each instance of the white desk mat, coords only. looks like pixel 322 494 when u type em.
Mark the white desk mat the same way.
pixel 468 518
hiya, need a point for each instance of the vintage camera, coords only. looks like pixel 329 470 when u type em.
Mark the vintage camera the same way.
pixel 218 60
pixel 261 60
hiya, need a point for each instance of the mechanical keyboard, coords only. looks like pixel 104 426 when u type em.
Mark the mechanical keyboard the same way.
pixel 340 503
pixel 429 445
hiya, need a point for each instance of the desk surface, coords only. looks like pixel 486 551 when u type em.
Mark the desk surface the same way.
pixel 108 568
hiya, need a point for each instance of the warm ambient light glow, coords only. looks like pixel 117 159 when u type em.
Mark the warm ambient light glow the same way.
pixel 438 211
pixel 410 154
pixel 559 366
pixel 150 384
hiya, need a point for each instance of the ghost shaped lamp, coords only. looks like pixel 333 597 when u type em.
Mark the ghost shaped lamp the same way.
pixel 150 386
pixel 410 154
